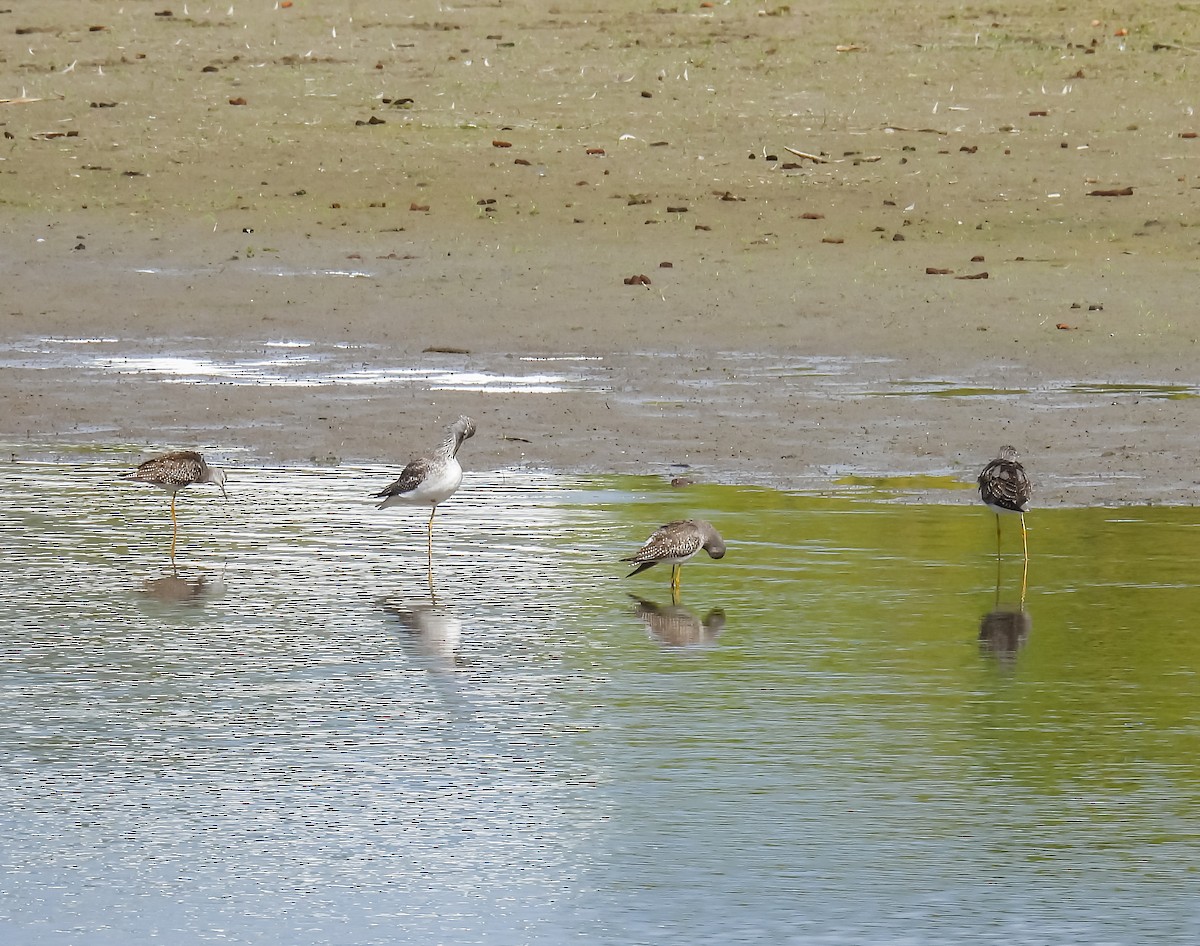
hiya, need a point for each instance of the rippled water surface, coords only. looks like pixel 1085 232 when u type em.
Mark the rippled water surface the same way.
pixel 849 732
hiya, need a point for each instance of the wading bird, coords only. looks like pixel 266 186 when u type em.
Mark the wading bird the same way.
pixel 1004 488
pixel 673 544
pixel 431 480
pixel 173 472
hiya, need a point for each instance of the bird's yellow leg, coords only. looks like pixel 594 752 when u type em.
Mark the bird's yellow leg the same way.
pixel 675 576
pixel 997 535
pixel 174 529
pixel 429 550
pixel 997 604
pixel 1024 540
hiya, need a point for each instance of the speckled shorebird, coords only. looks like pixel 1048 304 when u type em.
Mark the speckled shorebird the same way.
pixel 673 544
pixel 173 472
pixel 1004 488
pixel 432 479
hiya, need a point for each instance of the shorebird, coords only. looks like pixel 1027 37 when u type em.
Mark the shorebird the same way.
pixel 1004 488
pixel 432 479
pixel 673 544
pixel 173 472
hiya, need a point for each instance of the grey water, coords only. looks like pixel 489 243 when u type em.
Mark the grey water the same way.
pixel 857 728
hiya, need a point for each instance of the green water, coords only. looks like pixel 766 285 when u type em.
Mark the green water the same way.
pixel 289 743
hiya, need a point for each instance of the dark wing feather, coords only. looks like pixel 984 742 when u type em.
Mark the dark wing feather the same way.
pixel 408 480
pixel 1003 483
pixel 171 469
pixel 674 540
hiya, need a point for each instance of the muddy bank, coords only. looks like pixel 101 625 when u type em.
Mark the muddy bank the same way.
pixel 989 236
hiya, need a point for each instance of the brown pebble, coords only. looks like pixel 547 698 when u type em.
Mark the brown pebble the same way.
pixel 935 271
pixel 677 210
pixel 1189 134
pixel 647 95
pixel 640 280
pixel 832 240
pixel 1038 113
pixel 681 481
pixel 521 161
pixel 973 276
pixel 1063 326
pixel 419 208
pixel 238 101
pixel 812 215
pixel 1112 192
pixel 666 264
pixel 976 259
pixel 597 151
pixel 497 143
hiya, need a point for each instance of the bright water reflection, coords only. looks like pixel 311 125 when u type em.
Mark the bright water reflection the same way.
pixel 848 732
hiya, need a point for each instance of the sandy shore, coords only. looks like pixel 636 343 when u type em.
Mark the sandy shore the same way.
pixel 371 181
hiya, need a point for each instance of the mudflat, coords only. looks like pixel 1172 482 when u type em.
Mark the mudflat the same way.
pixel 752 243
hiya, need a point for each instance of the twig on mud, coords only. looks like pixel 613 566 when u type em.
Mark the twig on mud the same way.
pixel 1186 49
pixel 815 158
pixel 25 100
pixel 931 131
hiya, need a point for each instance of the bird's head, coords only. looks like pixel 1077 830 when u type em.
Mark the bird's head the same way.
pixel 713 544
pixel 462 429
pixel 218 476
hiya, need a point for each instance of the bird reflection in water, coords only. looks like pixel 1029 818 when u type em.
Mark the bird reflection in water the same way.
pixel 176 589
pixel 432 632
pixel 675 625
pixel 1004 630
pixel 1003 633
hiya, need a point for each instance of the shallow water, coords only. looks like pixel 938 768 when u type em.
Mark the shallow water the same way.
pixel 724 376
pixel 287 743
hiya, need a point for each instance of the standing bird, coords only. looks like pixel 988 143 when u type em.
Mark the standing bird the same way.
pixel 1004 488
pixel 673 544
pixel 432 479
pixel 174 471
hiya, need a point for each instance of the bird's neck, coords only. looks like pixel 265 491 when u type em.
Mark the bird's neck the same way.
pixel 450 446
